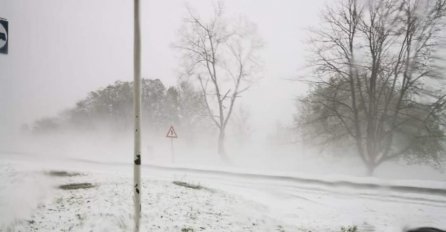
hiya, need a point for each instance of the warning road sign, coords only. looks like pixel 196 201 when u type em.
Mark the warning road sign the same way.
pixel 171 133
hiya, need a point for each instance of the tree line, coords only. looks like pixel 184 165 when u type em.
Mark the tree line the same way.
pixel 111 108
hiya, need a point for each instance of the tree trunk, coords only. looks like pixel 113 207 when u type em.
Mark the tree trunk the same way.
pixel 221 146
pixel 370 169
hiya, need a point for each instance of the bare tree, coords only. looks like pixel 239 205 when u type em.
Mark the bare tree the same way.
pixel 222 56
pixel 377 83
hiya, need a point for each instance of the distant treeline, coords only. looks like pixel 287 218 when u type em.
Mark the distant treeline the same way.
pixel 112 108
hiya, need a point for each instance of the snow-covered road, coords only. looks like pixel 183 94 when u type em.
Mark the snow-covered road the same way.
pixel 323 203
pixel 256 202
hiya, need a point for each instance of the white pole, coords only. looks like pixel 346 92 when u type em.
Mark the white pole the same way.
pixel 172 150
pixel 137 108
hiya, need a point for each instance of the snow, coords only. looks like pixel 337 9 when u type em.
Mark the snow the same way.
pixel 20 191
pixel 166 207
pixel 229 200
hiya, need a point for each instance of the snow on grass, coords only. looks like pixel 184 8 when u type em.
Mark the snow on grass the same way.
pixel 20 192
pixel 185 200
pixel 166 207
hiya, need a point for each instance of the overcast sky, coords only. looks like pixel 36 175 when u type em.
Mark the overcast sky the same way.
pixel 59 50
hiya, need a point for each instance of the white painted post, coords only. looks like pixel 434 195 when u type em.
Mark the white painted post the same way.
pixel 172 150
pixel 137 108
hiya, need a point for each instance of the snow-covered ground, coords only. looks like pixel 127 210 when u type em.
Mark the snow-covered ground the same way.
pixel 30 200
pixel 108 206
pixel 167 207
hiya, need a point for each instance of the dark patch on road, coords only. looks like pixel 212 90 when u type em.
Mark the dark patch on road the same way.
pixel 426 229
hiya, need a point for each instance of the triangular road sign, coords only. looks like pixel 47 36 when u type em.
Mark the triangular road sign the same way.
pixel 171 133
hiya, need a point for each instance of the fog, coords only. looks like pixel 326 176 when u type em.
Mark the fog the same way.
pixel 288 115
pixel 90 46
pixel 60 51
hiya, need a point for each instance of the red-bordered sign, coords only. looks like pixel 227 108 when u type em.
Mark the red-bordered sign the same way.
pixel 171 133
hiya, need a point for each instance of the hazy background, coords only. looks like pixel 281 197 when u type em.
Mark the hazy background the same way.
pixel 61 50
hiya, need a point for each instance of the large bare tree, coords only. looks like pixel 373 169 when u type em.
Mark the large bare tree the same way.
pixel 377 83
pixel 221 55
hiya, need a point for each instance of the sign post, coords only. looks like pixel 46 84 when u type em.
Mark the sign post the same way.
pixel 137 114
pixel 172 135
pixel 4 36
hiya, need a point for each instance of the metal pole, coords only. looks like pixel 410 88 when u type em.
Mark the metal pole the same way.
pixel 137 108
pixel 172 150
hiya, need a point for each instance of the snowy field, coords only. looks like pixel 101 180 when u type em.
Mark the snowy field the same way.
pixel 33 197
pixel 107 206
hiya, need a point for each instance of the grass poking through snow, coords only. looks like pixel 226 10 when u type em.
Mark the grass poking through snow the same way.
pixel 349 229
pixel 75 186
pixel 187 185
pixel 63 173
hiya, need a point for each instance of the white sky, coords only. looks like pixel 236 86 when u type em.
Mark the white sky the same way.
pixel 59 50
